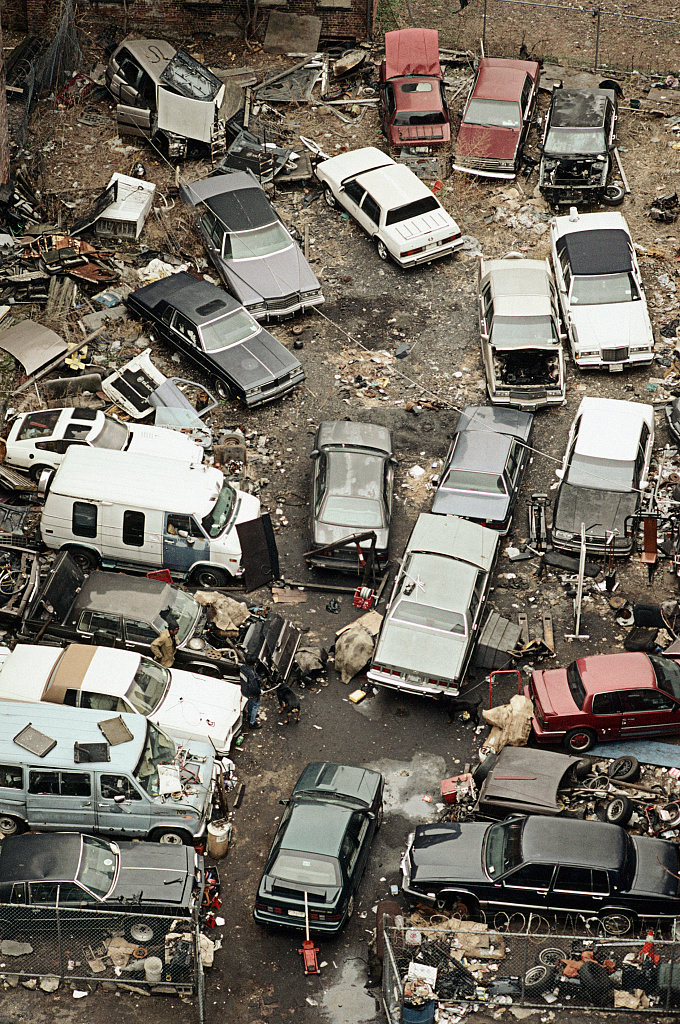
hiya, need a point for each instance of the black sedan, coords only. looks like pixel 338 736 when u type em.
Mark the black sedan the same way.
pixel 483 468
pixel 321 847
pixel 351 491
pixel 252 250
pixel 213 329
pixel 78 873
pixel 566 866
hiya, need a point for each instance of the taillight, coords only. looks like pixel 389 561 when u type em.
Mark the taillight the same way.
pixel 412 252
pixel 451 238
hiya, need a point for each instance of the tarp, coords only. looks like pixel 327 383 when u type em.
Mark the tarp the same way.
pixel 412 51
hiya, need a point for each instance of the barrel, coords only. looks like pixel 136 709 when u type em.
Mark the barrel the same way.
pixel 218 838
pixel 423 1014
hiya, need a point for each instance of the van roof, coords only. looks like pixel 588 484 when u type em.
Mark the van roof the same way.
pixel 141 481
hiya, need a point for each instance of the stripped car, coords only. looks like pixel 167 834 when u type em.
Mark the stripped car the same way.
pixel 413 107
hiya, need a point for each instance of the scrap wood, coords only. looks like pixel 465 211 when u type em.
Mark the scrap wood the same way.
pixel 285 595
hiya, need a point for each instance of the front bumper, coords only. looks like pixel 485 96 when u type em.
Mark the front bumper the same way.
pixel 621 548
pixel 272 391
pixel 541 398
pixel 614 366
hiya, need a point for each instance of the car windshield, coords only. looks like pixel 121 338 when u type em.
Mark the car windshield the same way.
pixel 228 330
pixel 503 847
pixel 440 619
pixel 466 480
pixel 186 612
pixel 493 113
pixel 575 684
pixel 305 869
pixel 351 511
pixel 113 435
pixel 600 474
pixel 158 749
pixel 575 142
pixel 597 290
pixel 148 686
pixel 520 331
pixel 248 245
pixel 408 118
pixel 667 674
pixel 220 514
pixel 415 209
pixel 98 863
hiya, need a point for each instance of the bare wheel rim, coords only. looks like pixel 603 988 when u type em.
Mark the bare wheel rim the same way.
pixel 616 924
pixel 8 825
pixel 141 932
pixel 170 839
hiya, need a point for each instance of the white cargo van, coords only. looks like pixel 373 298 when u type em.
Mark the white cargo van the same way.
pixel 118 510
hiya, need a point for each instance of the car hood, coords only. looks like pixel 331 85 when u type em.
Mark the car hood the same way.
pixel 325 533
pixel 526 779
pixel 611 326
pixel 552 692
pixel 412 649
pixel 491 143
pixel 656 867
pixel 448 853
pixel 485 508
pixel 151 879
pixel 269 277
pixel 259 360
pixel 608 509
pixel 201 707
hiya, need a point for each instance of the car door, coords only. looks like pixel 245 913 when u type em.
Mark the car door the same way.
pixel 578 889
pixel 527 887
pixel 649 712
pixel 369 215
pixel 351 196
pixel 60 800
pixel 387 108
pixel 318 488
pixel 184 543
pixel 185 334
pixel 122 809
pixel 606 715
pixel 213 233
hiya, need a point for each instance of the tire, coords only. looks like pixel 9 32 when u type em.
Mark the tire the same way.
pixel 579 741
pixel 170 837
pixel 207 578
pixel 382 250
pixel 331 201
pixel 613 195
pixel 539 979
pixel 619 810
pixel 551 955
pixel 459 903
pixel 35 472
pixel 624 769
pixel 142 931
pixel 350 908
pixel 483 769
pixel 84 558
pixel 582 769
pixel 11 826
pixel 223 391
pixel 617 922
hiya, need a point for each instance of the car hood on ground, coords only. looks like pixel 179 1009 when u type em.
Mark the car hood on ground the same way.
pixel 612 326
pixel 414 649
pixel 159 879
pixel 490 143
pixel 485 508
pixel 526 780
pixel 200 706
pixel 271 277
pixel 448 852
pixel 656 867
pixel 256 361
pixel 603 511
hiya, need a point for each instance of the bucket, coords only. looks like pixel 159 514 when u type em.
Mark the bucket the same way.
pixel 419 1014
pixel 218 838
pixel 153 970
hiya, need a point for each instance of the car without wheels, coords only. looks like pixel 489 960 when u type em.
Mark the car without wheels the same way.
pixel 413 107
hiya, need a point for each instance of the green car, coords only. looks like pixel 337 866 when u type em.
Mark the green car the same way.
pixel 321 847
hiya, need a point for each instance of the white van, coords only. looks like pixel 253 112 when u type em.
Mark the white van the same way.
pixel 119 510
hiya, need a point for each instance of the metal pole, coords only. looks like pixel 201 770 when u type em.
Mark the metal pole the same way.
pixel 484 30
pixel 597 39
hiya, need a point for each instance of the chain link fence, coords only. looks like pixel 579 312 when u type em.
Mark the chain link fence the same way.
pixel 471 963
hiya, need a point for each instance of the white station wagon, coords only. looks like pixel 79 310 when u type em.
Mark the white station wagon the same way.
pixel 600 290
pixel 391 204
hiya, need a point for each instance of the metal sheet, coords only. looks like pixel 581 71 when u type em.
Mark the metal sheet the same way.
pixel 184 116
pixel 32 344
pixel 259 555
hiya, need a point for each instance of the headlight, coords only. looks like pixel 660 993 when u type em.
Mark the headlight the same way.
pixel 588 355
pixel 561 535
pixel 641 348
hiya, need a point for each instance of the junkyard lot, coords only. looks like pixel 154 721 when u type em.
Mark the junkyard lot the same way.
pixel 258 976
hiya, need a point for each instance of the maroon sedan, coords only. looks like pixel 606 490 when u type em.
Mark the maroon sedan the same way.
pixel 412 98
pixel 497 117
pixel 606 697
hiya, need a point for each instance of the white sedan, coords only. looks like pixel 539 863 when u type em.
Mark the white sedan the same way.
pixel 183 704
pixel 39 440
pixel 600 290
pixel 391 204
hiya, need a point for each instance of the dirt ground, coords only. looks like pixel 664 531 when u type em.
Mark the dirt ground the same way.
pixel 351 369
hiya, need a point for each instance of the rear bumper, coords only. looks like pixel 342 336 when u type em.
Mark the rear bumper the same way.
pixel 424 689
pixel 430 255
pixel 297 924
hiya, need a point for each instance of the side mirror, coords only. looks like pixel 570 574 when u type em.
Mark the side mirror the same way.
pixel 284 803
pixel 314 454
pixel 559 473
pixel 393 461
pixel 119 799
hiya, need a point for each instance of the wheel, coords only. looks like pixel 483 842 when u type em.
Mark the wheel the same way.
pixel 625 769
pixel 483 769
pixel 36 472
pixel 350 907
pixel 171 837
pixel 551 955
pixel 458 903
pixel 613 195
pixel 619 810
pixel 331 201
pixel 141 932
pixel 539 978
pixel 379 817
pixel 84 558
pixel 382 249
pixel 222 389
pixel 206 578
pixel 10 826
pixel 617 922
pixel 578 741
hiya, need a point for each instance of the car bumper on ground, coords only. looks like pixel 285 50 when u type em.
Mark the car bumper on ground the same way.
pixel 481 172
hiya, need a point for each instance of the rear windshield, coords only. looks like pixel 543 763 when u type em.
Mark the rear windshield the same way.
pixel 479 483
pixel 342 510
pixel 575 683
pixel 408 118
pixel 441 619
pixel 305 869
pixel 667 674
pixel 416 209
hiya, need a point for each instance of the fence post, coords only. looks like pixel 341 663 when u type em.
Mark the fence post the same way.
pixel 200 978
pixel 484 30
pixel 597 39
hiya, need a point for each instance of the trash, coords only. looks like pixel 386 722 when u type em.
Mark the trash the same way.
pixel 357 696
pixel 353 651
pixel 333 607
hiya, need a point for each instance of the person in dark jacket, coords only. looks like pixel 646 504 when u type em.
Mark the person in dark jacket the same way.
pixel 251 688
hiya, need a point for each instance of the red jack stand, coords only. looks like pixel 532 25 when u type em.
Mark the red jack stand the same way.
pixel 308 949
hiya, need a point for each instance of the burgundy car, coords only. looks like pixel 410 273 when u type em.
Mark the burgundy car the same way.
pixel 497 117
pixel 606 697
pixel 412 98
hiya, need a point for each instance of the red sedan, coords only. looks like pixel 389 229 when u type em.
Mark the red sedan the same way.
pixel 606 697
pixel 497 117
pixel 412 97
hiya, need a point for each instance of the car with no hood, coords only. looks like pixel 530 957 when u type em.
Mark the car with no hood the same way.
pixel 214 329
pixel 250 247
pixel 413 107
pixel 391 204
pixel 321 848
pixel 483 468
pixel 497 117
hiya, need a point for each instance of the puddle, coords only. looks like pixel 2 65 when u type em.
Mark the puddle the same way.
pixel 407 783
pixel 346 1001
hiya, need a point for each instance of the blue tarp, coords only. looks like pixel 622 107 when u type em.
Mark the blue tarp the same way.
pixel 646 751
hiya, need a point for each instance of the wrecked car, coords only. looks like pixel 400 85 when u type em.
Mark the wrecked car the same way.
pixel 217 333
pixel 576 150
pixel 413 107
pixel 520 332
pixel 391 204
pixel 164 92
pixel 497 117
pixel 484 465
pixel 251 249
pixel 603 474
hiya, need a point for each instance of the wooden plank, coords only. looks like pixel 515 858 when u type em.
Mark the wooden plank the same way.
pixel 284 595
pixel 548 633
pixel 523 620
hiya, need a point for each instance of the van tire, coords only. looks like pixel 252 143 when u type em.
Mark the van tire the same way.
pixel 207 579
pixel 84 558
pixel 36 472
pixel 171 837
pixel 11 826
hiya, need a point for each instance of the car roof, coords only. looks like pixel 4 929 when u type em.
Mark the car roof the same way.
pixel 433 585
pixel 328 777
pixel 601 251
pixel 495 420
pixel 580 108
pixel 500 79
pixel 594 844
pixel 627 670
pixel 152 55
pixel 393 184
pixel 520 287
pixel 132 596
pixel 412 51
pixel 39 857
pixel 85 666
pixel 610 428
pixel 454 537
pixel 351 433
pixel 237 200
pixel 481 451
pixel 189 295
pixel 311 830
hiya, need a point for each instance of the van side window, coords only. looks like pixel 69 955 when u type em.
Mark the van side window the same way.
pixel 176 522
pixel 59 783
pixel 133 528
pixel 102 702
pixel 11 777
pixel 116 785
pixel 84 520
pixel 75 784
pixel 44 782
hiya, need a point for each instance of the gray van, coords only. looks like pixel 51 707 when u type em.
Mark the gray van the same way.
pixel 79 770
